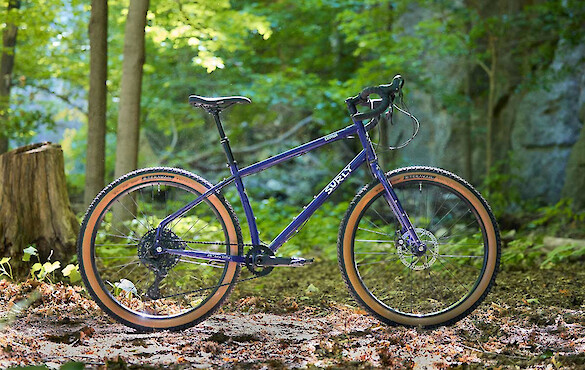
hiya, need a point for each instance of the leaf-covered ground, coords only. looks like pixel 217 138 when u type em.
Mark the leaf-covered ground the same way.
pixel 532 319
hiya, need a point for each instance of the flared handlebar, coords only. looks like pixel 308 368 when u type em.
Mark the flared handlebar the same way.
pixel 386 92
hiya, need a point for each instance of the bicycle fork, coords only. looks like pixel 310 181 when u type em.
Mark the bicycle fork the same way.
pixel 418 248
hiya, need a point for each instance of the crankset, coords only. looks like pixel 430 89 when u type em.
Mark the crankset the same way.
pixel 260 260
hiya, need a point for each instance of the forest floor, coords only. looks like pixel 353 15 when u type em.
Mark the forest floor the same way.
pixel 531 319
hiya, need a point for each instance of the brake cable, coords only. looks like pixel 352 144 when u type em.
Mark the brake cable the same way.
pixel 390 116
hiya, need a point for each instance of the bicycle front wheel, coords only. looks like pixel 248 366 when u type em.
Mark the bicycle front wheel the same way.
pixel 462 253
pixel 124 274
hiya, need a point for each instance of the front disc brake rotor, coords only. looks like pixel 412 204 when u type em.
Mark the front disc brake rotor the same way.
pixel 425 261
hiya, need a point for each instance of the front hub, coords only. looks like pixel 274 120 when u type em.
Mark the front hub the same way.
pixel 421 257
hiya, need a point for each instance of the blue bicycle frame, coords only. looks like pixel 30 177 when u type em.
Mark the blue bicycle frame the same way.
pixel 366 155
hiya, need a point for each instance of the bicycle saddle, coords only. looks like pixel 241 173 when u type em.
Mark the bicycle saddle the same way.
pixel 217 103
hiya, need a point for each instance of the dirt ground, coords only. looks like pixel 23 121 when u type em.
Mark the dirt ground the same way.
pixel 532 319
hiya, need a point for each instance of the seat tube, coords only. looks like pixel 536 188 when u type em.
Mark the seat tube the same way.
pixel 233 166
pixel 254 234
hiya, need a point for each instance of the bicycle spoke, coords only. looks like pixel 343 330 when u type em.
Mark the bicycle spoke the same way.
pixel 375 232
pixel 374 241
pixel 458 256
pixel 115 244
pixel 376 262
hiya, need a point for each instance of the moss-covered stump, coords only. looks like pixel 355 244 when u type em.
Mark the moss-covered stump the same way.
pixel 34 205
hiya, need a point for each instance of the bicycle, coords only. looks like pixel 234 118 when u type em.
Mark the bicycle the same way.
pixel 161 248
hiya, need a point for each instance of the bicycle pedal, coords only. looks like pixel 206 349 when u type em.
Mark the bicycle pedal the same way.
pixel 284 261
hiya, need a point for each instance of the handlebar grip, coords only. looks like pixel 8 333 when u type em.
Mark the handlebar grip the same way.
pixel 386 92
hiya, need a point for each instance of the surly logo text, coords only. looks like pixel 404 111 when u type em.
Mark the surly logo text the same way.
pixel 338 179
pixel 331 136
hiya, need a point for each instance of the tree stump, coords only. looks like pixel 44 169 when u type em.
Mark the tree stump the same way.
pixel 34 206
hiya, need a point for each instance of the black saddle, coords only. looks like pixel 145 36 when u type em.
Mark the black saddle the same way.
pixel 218 103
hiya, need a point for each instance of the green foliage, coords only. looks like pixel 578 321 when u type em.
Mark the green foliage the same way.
pixel 66 366
pixel 5 268
pixel 501 188
pixel 318 237
pixel 562 254
pixel 72 272
pixel 124 287
pixel 45 270
pixel 558 218
pixel 522 252
pixel 52 34
pixel 41 271
pixel 528 247
pixel 28 252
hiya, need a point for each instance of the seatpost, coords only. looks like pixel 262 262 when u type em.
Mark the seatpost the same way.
pixel 224 140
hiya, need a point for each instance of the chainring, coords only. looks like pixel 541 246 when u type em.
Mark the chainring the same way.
pixel 251 257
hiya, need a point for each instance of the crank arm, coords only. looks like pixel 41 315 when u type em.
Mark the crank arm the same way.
pixel 264 260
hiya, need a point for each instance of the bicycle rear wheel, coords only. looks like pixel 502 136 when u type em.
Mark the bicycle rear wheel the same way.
pixel 120 268
pixel 450 279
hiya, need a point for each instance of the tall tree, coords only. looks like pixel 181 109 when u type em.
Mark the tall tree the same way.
pixel 6 67
pixel 131 86
pixel 130 92
pixel 96 122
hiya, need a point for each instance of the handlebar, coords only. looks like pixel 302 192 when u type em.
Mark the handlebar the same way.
pixel 386 92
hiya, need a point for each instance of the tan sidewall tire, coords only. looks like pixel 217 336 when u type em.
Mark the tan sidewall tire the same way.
pixel 85 250
pixel 362 294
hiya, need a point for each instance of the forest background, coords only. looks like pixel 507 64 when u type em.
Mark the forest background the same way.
pixel 498 87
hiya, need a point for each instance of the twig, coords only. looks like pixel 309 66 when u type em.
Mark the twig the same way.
pixel 255 147
pixel 64 98
pixel 71 357
pixel 492 353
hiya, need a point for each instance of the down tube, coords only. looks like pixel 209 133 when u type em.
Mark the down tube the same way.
pixel 298 221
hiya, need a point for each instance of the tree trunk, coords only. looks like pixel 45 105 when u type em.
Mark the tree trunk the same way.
pixel 129 112
pixel 467 129
pixel 34 205
pixel 96 123
pixel 575 174
pixel 491 104
pixel 6 67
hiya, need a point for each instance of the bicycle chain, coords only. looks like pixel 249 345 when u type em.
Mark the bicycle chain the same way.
pixel 256 275
pixel 216 243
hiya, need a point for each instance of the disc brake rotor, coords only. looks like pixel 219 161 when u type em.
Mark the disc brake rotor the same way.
pixel 425 261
